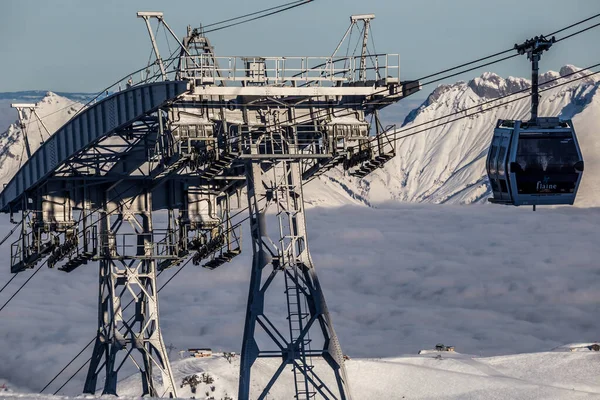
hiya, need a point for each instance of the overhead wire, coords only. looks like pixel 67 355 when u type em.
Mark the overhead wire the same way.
pixel 574 25
pixel 253 13
pixel 9 234
pixel 395 139
pixel 22 286
pixel 428 76
pixel 468 70
pixel 8 283
pixel 491 101
pixel 512 49
pixel 238 223
pixel 578 32
pixel 259 17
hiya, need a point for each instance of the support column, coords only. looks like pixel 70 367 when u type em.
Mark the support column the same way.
pixel 310 335
pixel 128 271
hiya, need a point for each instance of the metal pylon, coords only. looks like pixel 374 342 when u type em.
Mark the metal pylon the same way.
pixel 125 275
pixel 277 185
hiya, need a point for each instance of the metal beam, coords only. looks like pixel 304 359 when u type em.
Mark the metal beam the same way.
pixel 307 91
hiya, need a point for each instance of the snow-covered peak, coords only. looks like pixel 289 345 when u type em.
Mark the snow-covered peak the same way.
pixel 445 161
pixel 490 85
pixel 54 111
pixel 569 69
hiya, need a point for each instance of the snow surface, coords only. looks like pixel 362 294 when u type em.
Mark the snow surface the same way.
pixel 548 375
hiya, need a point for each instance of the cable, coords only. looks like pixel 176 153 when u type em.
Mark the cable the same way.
pixel 469 70
pixel 100 93
pixel 511 49
pixel 577 33
pixel 9 234
pixel 465 64
pixel 259 17
pixel 254 13
pixel 8 283
pixel 573 25
pixel 68 365
pixel 72 376
pixel 492 107
pixel 23 285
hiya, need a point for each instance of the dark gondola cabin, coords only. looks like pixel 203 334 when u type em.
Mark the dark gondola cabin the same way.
pixel 534 163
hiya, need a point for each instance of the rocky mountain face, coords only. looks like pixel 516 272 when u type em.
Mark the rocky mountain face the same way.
pixel 443 162
pixel 446 164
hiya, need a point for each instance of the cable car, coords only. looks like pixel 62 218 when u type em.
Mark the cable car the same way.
pixel 534 163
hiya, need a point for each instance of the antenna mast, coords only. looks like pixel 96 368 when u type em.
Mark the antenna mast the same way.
pixel 534 49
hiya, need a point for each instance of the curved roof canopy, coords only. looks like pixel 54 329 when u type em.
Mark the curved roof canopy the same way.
pixel 85 129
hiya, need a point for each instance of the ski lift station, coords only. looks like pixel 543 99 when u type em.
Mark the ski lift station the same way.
pixel 201 140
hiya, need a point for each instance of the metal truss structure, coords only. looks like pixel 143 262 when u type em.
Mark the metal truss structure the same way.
pixel 144 179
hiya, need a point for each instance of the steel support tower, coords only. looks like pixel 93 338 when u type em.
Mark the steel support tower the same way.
pixel 184 142
pixel 286 257
pixel 120 337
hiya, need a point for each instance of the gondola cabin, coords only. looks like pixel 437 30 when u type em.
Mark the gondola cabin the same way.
pixel 534 163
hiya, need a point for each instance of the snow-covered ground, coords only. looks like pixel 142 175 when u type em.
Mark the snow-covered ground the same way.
pixel 490 280
pixel 545 375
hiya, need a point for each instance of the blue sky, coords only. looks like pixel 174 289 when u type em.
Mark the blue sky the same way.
pixel 70 45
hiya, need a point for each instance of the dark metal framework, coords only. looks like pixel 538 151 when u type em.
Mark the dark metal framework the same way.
pixel 187 149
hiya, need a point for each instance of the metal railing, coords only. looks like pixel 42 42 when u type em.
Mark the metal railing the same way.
pixel 291 70
pixel 158 244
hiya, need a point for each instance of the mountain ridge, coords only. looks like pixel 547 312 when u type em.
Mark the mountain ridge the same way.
pixel 446 163
pixel 443 164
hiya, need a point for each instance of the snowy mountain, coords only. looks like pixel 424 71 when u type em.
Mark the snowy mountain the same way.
pixel 54 110
pixel 446 164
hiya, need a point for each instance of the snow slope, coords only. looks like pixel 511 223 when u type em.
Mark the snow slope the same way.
pixel 446 164
pixel 54 110
pixel 548 375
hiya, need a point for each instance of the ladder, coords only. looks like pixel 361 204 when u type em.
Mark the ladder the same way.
pixel 298 315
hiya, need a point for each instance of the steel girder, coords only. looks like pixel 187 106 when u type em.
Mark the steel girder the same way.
pixel 86 128
pixel 287 258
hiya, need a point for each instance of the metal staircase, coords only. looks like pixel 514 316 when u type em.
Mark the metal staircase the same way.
pixel 26 254
pixel 219 165
pixel 374 155
pixel 220 249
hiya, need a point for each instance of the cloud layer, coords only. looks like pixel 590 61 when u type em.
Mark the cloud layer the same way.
pixel 488 279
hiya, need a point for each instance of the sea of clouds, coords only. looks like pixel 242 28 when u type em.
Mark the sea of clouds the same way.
pixel 487 279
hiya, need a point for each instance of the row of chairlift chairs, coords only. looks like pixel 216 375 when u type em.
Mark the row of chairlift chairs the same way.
pixel 536 162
